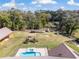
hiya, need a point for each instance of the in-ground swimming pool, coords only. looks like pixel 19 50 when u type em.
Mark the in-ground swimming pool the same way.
pixel 30 53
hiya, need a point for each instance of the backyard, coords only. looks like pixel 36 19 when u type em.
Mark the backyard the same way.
pixel 48 40
pixel 45 24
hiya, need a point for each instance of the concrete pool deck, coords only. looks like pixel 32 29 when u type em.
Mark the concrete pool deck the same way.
pixel 43 51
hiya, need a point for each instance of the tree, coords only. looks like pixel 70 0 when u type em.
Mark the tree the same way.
pixel 71 23
pixel 4 19
pixel 68 22
pixel 16 19
pixel 43 18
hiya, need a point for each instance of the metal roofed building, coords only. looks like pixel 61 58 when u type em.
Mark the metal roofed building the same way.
pixel 63 51
pixel 4 33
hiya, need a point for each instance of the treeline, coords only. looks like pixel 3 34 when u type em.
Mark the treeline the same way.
pixel 64 21
pixel 19 20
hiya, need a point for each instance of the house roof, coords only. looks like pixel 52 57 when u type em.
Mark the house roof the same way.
pixel 4 32
pixel 45 57
pixel 62 51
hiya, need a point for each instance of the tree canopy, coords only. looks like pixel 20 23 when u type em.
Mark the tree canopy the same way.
pixel 65 21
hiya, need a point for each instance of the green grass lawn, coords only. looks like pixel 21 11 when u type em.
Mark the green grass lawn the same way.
pixel 76 34
pixel 73 46
pixel 47 40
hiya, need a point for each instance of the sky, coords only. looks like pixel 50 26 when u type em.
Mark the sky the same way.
pixel 39 4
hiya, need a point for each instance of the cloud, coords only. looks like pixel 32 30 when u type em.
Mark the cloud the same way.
pixel 44 2
pixel 39 5
pixel 62 7
pixel 72 2
pixel 21 4
pixel 34 2
pixel 10 5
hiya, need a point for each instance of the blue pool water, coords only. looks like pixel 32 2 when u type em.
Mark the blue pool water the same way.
pixel 30 53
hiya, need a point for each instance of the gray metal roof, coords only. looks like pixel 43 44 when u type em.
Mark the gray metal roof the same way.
pixel 45 57
pixel 62 51
pixel 4 32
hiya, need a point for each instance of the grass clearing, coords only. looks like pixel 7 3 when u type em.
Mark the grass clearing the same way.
pixel 73 46
pixel 49 40
pixel 77 33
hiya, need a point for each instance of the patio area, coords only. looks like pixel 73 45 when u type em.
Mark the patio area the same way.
pixel 32 52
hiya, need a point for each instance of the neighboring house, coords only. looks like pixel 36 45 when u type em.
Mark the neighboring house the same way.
pixel 62 51
pixel 4 33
